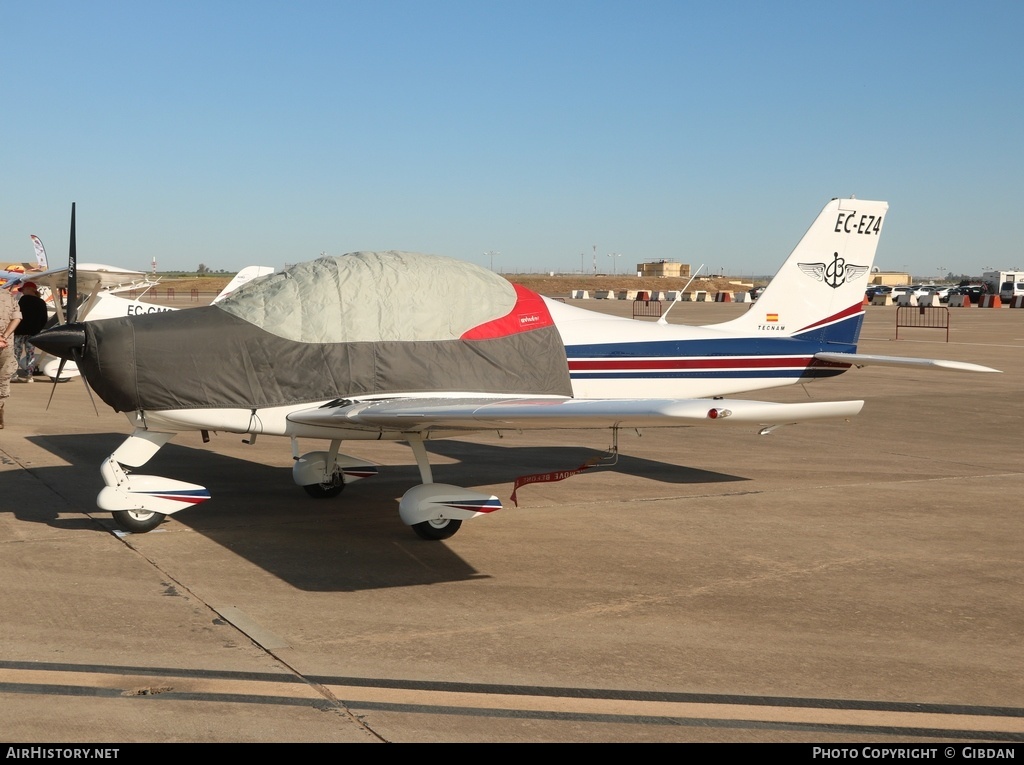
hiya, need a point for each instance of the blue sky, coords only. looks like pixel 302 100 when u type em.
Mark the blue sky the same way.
pixel 232 133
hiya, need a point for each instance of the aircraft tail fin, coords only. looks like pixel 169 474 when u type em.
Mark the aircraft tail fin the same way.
pixel 819 291
pixel 246 274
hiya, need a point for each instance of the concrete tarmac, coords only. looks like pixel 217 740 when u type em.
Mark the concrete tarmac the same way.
pixel 857 581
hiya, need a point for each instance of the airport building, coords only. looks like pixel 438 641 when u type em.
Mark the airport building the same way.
pixel 663 268
pixel 889 278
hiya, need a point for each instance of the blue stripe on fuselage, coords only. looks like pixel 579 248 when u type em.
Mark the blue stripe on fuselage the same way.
pixel 837 337
pixel 731 374
pixel 709 349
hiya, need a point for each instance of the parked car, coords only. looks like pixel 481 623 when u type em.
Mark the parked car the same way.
pixel 755 293
pixel 941 293
pixel 894 292
pixel 1009 290
pixel 974 291
pixel 917 290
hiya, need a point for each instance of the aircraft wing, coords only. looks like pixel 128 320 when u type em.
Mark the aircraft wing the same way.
pixel 475 414
pixel 864 359
pixel 90 276
pixel 9 278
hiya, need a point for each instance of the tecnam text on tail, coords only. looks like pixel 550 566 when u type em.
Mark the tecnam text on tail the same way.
pixel 411 347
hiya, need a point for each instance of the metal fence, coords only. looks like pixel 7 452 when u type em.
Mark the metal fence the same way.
pixel 922 317
pixel 646 308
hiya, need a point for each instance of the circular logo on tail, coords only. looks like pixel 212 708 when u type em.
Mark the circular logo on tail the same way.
pixel 834 274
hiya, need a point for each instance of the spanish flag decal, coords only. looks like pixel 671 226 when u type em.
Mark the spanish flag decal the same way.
pixel 771 317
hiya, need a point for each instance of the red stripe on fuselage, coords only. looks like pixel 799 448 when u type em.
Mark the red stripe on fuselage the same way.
pixel 695 363
pixel 853 310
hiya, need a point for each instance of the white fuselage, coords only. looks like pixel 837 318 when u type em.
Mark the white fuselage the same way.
pixel 608 358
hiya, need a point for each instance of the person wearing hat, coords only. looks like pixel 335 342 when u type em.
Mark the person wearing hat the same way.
pixel 33 319
pixel 10 318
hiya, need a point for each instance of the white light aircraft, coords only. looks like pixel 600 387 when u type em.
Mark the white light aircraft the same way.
pixel 103 286
pixel 410 347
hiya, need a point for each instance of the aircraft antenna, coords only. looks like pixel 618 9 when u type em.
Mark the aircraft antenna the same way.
pixel 664 316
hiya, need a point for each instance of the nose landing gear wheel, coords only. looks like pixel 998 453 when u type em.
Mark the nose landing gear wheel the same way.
pixel 137 521
pixel 435 530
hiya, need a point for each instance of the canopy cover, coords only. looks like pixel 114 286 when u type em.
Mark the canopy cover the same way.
pixel 352 325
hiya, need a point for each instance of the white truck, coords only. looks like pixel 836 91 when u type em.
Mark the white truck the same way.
pixel 1008 284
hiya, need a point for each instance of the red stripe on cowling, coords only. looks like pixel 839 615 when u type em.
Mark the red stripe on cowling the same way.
pixel 528 313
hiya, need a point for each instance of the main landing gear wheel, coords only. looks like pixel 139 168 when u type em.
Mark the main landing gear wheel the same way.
pixel 331 488
pixel 435 530
pixel 138 521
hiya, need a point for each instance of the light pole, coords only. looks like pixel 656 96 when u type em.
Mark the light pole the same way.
pixel 491 254
pixel 613 256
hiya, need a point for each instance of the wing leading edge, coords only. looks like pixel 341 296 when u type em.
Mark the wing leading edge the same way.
pixel 474 414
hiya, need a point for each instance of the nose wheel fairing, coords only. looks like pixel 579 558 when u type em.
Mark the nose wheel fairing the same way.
pixel 149 493
pixel 140 502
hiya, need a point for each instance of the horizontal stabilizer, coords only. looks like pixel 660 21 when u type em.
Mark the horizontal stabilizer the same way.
pixel 474 414
pixel 864 359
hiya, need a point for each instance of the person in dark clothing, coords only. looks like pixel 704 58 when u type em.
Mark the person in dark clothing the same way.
pixel 33 319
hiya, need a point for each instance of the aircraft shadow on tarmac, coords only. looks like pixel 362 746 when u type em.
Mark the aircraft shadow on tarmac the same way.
pixel 349 543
